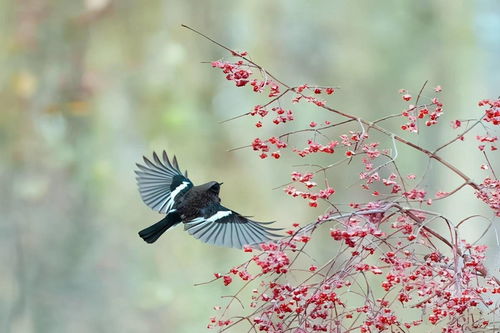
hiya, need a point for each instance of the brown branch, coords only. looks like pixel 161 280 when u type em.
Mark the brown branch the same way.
pixel 268 103
pixel 448 194
pixel 234 118
pixel 236 54
pixel 420 92
pixel 346 115
pixel 411 213
pixel 458 136
pixel 415 218
pixel 315 129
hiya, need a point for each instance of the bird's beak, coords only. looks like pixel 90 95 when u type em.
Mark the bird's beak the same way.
pixel 221 183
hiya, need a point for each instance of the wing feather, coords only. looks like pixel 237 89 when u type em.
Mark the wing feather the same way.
pixel 161 182
pixel 215 236
pixel 237 238
pixel 224 227
pixel 228 235
pixel 254 236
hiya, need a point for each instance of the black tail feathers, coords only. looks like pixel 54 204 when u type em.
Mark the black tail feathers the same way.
pixel 152 233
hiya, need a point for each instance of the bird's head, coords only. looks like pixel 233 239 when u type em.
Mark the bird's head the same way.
pixel 213 187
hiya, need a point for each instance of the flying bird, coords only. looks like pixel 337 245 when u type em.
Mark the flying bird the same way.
pixel 165 189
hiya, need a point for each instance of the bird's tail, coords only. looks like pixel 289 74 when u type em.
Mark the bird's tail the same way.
pixel 152 233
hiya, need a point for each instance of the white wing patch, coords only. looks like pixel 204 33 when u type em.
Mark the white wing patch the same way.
pixel 217 216
pixel 155 179
pixel 220 214
pixel 179 188
pixel 229 229
pixel 170 200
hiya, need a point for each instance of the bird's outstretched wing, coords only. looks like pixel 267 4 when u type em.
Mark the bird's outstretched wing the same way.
pixel 224 227
pixel 160 183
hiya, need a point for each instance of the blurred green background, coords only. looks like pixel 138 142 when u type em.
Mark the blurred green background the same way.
pixel 88 87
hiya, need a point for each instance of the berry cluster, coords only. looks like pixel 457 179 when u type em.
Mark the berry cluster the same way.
pixel 306 180
pixel 413 113
pixel 391 238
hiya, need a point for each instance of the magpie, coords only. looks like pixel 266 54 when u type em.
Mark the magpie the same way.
pixel 165 189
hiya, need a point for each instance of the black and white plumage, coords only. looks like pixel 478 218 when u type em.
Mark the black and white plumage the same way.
pixel 165 189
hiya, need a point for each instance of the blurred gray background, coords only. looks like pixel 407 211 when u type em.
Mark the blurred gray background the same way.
pixel 88 87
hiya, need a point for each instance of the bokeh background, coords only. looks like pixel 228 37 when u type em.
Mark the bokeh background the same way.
pixel 88 87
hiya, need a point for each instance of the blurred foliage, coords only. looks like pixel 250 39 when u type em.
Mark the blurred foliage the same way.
pixel 88 87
